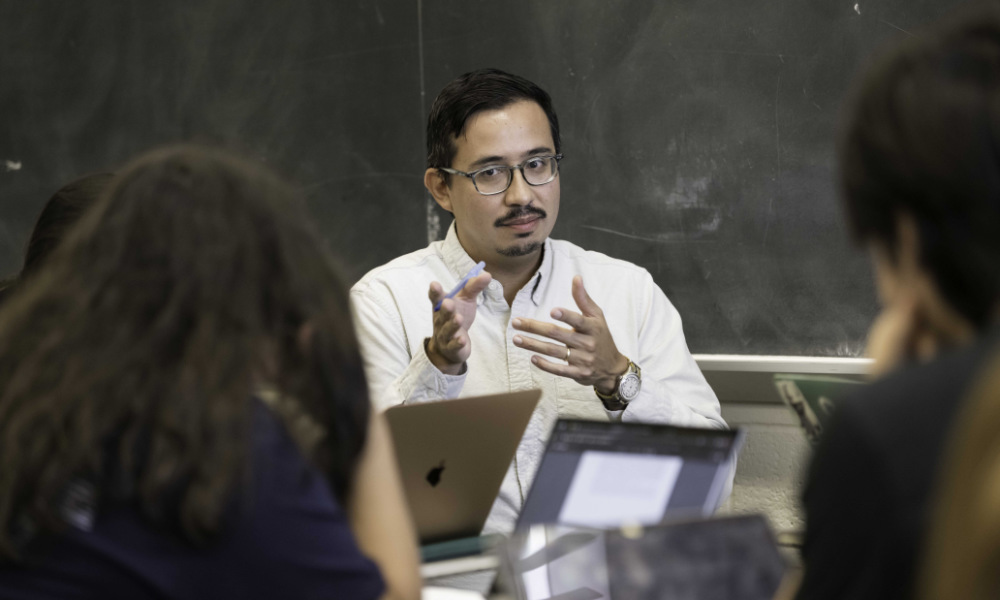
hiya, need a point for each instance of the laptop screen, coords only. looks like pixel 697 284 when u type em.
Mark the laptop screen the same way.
pixel 602 474
pixel 728 557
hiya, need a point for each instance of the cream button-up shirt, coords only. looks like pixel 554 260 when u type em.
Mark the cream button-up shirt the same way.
pixel 393 317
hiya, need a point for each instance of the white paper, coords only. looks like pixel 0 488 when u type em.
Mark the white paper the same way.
pixel 610 489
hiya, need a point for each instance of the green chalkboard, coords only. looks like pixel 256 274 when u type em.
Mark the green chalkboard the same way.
pixel 698 134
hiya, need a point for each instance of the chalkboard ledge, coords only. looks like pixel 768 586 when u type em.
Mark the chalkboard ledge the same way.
pixel 750 379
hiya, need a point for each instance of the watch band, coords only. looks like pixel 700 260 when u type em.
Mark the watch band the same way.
pixel 612 404
pixel 614 401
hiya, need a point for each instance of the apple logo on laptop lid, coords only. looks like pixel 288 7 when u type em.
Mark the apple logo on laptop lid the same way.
pixel 434 475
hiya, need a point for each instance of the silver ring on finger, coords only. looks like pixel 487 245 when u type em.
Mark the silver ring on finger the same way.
pixel 568 352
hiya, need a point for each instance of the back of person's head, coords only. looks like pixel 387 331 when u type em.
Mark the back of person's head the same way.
pixel 6 287
pixel 59 214
pixel 962 557
pixel 133 355
pixel 922 139
pixel 474 92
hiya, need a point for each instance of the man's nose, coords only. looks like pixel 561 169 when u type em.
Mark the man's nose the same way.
pixel 519 193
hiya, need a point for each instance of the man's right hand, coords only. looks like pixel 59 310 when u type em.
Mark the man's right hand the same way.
pixel 449 346
pixel 899 334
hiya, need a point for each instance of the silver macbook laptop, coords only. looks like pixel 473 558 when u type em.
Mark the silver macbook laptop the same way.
pixel 600 474
pixel 453 455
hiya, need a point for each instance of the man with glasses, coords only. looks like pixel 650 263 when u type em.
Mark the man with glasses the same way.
pixel 594 333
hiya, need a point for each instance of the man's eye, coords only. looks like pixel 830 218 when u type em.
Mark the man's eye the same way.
pixel 490 173
pixel 535 164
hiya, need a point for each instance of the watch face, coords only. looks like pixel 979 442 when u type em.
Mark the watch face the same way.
pixel 628 389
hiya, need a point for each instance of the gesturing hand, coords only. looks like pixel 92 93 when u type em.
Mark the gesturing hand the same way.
pixel 587 348
pixel 449 346
pixel 900 334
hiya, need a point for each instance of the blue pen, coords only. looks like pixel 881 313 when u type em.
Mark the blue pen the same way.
pixel 476 270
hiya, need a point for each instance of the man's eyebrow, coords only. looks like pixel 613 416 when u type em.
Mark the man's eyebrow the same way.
pixel 486 160
pixel 492 160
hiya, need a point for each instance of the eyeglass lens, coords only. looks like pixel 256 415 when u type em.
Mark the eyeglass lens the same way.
pixel 536 171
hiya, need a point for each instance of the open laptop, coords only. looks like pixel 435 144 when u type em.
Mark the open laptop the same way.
pixel 602 474
pixel 453 455
pixel 727 557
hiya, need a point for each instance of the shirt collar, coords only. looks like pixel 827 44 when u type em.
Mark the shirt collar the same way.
pixel 459 263
pixel 454 255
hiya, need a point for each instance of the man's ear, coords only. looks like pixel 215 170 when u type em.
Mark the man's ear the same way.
pixel 435 183
pixel 899 278
pixel 913 280
pixel 908 247
pixel 898 268
pixel 946 324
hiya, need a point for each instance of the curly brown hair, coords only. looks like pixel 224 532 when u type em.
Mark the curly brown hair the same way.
pixel 131 359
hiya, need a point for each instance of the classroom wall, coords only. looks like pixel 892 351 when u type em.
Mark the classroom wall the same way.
pixel 771 468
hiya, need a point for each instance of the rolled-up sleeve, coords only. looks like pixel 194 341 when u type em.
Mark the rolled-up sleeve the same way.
pixel 397 367
pixel 673 388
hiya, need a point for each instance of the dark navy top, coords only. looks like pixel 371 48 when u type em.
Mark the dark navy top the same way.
pixel 287 538
pixel 872 481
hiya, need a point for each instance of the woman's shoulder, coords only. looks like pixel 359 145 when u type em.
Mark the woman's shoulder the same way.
pixel 285 535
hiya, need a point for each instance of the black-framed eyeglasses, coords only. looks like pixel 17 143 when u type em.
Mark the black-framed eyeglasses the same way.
pixel 537 170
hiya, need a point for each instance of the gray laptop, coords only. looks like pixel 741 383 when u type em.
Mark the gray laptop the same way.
pixel 453 455
pixel 727 557
pixel 601 474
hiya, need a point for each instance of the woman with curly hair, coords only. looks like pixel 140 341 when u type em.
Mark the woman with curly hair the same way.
pixel 183 410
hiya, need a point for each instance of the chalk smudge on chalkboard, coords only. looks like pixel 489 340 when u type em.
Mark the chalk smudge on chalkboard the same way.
pixel 688 192
pixel 630 236
pixel 12 165
pixel 667 237
pixel 692 196
pixel 857 8
pixel 853 349
pixel 777 158
pixel 896 27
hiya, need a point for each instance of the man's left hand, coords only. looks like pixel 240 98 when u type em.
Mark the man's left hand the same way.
pixel 587 348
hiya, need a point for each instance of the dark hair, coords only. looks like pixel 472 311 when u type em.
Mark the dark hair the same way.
pixel 485 89
pixel 6 287
pixel 61 212
pixel 922 137
pixel 133 356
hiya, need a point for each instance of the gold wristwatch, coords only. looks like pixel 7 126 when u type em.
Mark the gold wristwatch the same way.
pixel 627 387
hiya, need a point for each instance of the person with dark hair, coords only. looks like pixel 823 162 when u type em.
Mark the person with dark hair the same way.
pixel 614 349
pixel 183 408
pixel 59 214
pixel 6 287
pixel 920 172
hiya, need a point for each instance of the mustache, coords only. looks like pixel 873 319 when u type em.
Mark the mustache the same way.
pixel 518 213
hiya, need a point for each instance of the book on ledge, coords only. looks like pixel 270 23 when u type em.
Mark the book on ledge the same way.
pixel 813 398
pixel 463 555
